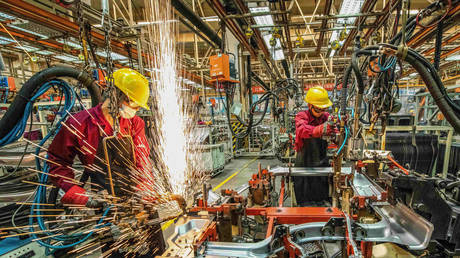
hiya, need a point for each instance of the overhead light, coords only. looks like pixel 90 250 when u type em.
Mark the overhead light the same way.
pixel 210 18
pixel 4 40
pixel 4 16
pixel 266 20
pixel 453 58
pixel 114 56
pixel 278 55
pixel 347 7
pixel 44 52
pixel 405 79
pixel 413 75
pixel 66 58
pixel 70 42
pixel 27 48
pixel 332 53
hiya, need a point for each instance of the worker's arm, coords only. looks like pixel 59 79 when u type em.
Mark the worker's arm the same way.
pixel 61 154
pixel 141 146
pixel 303 129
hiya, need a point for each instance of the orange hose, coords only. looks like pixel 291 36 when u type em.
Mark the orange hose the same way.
pixel 398 165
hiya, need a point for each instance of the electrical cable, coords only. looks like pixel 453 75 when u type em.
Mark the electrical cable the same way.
pixel 398 165
pixel 344 141
pixel 428 11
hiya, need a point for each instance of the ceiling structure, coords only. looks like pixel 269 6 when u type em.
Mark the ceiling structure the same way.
pixel 308 31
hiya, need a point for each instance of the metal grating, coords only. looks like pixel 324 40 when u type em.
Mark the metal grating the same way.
pixel 34 28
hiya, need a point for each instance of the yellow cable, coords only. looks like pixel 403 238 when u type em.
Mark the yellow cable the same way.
pixel 15 40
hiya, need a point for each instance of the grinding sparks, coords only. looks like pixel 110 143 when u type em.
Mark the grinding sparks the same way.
pixel 171 116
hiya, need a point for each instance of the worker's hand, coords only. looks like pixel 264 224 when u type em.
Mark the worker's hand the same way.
pixel 180 200
pixel 324 130
pixel 75 195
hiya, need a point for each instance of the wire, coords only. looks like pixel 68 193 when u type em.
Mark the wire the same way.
pixel 344 141
pixel 398 165
pixel 419 15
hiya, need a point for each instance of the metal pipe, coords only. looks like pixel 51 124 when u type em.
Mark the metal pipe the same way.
pixel 338 16
pixel 188 13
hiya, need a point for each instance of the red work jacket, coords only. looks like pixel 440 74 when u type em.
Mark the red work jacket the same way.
pixel 80 136
pixel 305 122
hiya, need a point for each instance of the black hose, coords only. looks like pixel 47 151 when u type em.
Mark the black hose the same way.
pixel 435 90
pixel 11 117
pixel 438 46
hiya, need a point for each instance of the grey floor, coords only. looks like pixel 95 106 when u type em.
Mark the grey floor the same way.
pixel 246 167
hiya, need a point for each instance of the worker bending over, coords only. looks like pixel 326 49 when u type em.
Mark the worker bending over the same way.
pixel 83 136
pixel 311 125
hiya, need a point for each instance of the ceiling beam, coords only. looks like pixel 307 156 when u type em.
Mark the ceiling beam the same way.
pixel 327 9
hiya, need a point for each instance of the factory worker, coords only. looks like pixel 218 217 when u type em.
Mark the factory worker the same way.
pixel 83 134
pixel 89 135
pixel 311 149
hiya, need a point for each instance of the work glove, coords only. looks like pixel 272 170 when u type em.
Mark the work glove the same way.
pixel 75 195
pixel 324 129
pixel 180 200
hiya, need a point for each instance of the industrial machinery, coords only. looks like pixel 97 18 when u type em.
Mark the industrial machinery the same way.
pixel 373 199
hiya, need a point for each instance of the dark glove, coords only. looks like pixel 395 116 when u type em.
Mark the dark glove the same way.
pixel 324 129
pixel 75 195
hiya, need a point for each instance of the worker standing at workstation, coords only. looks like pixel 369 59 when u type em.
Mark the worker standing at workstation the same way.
pixel 311 149
pixel 83 135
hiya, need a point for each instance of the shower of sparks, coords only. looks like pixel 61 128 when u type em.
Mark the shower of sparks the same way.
pixel 172 109
pixel 169 168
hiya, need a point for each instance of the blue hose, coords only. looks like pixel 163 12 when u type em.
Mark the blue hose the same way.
pixel 40 195
pixel 344 141
pixel 392 62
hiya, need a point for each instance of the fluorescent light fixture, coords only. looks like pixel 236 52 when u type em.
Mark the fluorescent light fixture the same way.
pixel 413 75
pixel 12 25
pixel 332 53
pixel 278 55
pixel 66 58
pixel 4 40
pixel 453 58
pixel 114 56
pixel 405 79
pixel 4 16
pixel 70 42
pixel 208 88
pixel 27 48
pixel 44 52
pixel 347 7
pixel 210 18
pixel 264 19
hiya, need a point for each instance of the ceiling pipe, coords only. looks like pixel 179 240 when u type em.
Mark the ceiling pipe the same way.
pixel 190 15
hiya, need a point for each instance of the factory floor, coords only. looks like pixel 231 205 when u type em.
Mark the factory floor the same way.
pixel 238 172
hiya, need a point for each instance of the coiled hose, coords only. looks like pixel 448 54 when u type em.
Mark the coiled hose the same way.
pixel 434 85
pixel 11 118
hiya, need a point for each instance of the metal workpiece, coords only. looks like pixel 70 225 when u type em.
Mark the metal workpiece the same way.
pixel 400 225
pixel 362 186
pixel 306 171
pixel 229 249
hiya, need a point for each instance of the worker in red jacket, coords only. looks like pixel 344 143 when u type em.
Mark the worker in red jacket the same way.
pixel 83 132
pixel 89 135
pixel 311 125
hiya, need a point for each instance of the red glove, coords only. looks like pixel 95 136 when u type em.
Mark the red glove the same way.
pixel 324 129
pixel 75 195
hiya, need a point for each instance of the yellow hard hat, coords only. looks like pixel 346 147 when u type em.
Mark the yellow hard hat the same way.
pixel 133 84
pixel 317 96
